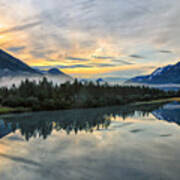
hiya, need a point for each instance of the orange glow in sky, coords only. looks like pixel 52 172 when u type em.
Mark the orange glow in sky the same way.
pixel 90 38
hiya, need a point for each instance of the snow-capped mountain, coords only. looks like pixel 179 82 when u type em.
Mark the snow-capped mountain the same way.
pixel 164 75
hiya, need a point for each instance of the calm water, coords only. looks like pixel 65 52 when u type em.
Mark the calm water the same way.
pixel 101 144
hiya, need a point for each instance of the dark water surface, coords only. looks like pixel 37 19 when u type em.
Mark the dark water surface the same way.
pixel 101 144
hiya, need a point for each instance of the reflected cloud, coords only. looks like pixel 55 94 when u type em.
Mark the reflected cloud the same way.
pixel 20 160
pixel 136 130
pixel 86 155
pixel 166 51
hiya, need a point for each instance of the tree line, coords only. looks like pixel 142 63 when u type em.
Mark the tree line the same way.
pixel 44 95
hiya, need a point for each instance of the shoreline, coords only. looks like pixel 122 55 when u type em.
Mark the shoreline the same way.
pixel 157 101
pixel 18 110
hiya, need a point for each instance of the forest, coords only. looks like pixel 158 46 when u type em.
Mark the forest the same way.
pixel 45 95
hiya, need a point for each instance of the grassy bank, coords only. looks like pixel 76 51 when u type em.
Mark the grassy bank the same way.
pixel 167 100
pixel 8 110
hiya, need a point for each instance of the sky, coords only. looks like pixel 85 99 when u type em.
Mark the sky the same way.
pixel 92 38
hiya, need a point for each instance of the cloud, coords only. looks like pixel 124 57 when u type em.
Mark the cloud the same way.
pixel 122 61
pixel 16 48
pixel 37 54
pixel 136 56
pixel 104 65
pixel 51 60
pixel 63 66
pixel 79 28
pixel 77 59
pixel 113 59
pixel 75 66
pixel 41 53
pixel 102 57
pixel 90 65
pixel 20 27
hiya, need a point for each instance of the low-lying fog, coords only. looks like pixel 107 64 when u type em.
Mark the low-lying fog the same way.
pixel 166 87
pixel 9 81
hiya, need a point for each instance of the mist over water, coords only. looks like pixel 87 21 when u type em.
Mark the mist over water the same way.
pixel 9 81
pixel 166 87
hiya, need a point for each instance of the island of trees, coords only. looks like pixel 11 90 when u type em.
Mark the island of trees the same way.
pixel 45 95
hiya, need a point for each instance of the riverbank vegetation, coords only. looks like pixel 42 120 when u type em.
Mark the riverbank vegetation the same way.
pixel 47 96
pixel 7 110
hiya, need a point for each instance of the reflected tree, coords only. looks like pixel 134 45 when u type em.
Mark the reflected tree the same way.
pixel 42 124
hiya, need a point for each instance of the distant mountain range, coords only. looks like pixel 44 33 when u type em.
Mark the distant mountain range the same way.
pixel 165 75
pixel 11 66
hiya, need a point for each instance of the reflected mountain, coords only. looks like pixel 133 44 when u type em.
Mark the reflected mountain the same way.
pixel 169 112
pixel 41 124
pixel 4 129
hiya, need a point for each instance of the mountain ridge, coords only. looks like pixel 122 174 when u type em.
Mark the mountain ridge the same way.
pixel 11 66
pixel 54 72
pixel 162 75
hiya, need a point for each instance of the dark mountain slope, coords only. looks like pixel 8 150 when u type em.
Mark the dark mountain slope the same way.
pixel 10 65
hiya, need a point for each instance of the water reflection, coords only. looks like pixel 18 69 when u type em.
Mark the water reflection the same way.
pixel 126 143
pixel 43 123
